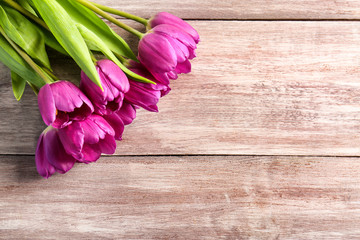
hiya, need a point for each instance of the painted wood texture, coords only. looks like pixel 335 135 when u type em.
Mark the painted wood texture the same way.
pixel 243 9
pixel 283 88
pixel 218 197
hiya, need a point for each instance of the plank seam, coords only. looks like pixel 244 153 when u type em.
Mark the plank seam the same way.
pixel 202 155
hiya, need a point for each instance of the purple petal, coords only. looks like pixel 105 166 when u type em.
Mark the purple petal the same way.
pixel 103 125
pixel 44 168
pixel 62 120
pixel 72 138
pixel 66 96
pixel 108 145
pixel 116 123
pixel 176 33
pixel 146 98
pixel 167 18
pixel 92 133
pixel 156 53
pixel 114 75
pixel 91 153
pixel 56 153
pixel 47 105
pixel 182 52
pixel 127 113
pixel 184 67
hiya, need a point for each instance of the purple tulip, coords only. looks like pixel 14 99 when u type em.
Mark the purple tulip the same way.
pixel 86 140
pixel 165 51
pixel 114 83
pixel 167 18
pixel 62 102
pixel 50 154
pixel 82 141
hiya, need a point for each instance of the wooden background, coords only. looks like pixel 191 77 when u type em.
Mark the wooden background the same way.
pixel 260 141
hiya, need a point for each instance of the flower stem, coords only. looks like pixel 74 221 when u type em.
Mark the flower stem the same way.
pixel 121 13
pixel 25 12
pixel 105 15
pixel 48 72
pixel 26 57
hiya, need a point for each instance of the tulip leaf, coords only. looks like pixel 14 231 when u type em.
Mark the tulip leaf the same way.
pixel 17 64
pixel 25 4
pixel 96 43
pixel 84 16
pixel 48 37
pixel 67 34
pixel 18 85
pixel 20 30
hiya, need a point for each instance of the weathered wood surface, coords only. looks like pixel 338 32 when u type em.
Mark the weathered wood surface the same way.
pixel 183 198
pixel 257 88
pixel 243 9
pixel 282 88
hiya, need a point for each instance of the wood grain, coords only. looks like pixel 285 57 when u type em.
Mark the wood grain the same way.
pixel 243 9
pixel 183 198
pixel 282 88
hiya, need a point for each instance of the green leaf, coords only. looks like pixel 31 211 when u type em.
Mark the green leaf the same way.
pixel 26 5
pixel 47 35
pixel 67 34
pixel 84 16
pixel 25 34
pixel 18 85
pixel 17 64
pixel 93 40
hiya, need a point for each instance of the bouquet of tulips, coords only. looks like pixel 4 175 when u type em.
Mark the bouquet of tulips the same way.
pixel 85 120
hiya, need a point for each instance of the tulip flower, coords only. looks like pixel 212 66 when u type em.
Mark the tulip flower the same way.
pixel 165 51
pixel 62 102
pixel 168 18
pixel 86 140
pixel 50 154
pixel 114 83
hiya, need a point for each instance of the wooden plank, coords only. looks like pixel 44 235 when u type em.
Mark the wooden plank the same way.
pixel 183 198
pixel 265 88
pixel 235 9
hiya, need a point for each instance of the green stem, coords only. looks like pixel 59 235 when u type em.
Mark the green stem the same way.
pixel 121 13
pixel 105 15
pixel 93 58
pixel 28 14
pixel 26 58
pixel 48 72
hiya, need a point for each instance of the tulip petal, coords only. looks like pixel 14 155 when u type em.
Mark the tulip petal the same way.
pixel 103 125
pixel 176 33
pixel 72 138
pixel 116 123
pixel 91 153
pixel 47 104
pixel 62 120
pixel 184 67
pixel 167 18
pixel 114 75
pixel 44 168
pixel 92 133
pixel 56 153
pixel 66 96
pixel 108 145
pixel 146 98
pixel 156 53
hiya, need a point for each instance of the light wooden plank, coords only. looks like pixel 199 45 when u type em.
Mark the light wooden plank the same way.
pixel 248 9
pixel 256 88
pixel 183 198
